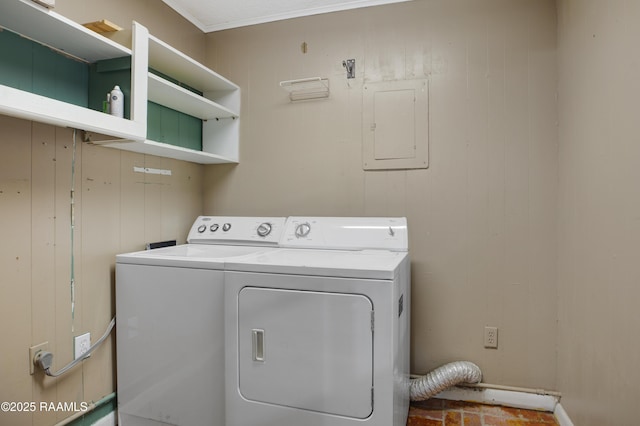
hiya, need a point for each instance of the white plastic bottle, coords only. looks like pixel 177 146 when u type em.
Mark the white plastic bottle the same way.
pixel 116 103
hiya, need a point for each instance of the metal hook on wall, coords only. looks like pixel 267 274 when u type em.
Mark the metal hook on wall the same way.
pixel 350 66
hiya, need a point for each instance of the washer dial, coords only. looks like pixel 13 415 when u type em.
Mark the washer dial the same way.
pixel 264 229
pixel 303 230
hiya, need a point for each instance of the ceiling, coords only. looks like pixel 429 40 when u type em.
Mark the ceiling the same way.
pixel 215 15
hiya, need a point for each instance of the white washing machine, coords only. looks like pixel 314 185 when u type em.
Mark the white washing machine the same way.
pixel 317 333
pixel 170 322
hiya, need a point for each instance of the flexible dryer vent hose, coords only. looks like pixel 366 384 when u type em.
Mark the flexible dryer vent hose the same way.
pixel 444 377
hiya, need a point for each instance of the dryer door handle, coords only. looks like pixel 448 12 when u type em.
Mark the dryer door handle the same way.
pixel 257 344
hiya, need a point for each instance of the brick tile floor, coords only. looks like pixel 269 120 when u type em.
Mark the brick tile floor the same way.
pixel 439 412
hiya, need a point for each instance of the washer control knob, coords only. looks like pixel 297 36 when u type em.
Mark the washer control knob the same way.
pixel 214 227
pixel 202 228
pixel 226 227
pixel 303 230
pixel 264 229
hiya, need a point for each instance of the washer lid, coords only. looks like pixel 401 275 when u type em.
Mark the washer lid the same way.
pixel 346 233
pixel 190 255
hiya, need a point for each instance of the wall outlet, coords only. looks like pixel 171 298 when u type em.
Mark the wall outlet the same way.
pixel 81 344
pixel 33 351
pixel 491 337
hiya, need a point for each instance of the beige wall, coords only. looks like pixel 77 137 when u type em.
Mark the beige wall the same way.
pixel 599 211
pixel 116 210
pixel 482 216
pixel 489 222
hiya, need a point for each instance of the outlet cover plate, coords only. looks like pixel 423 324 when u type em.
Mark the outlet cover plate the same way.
pixel 491 337
pixel 81 344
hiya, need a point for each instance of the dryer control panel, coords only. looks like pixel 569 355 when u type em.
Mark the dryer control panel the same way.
pixel 346 233
pixel 236 230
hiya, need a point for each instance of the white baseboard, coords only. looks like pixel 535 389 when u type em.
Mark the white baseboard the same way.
pixel 561 416
pixel 108 420
pixel 530 401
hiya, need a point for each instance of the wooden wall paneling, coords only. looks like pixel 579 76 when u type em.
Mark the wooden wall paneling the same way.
pixel 15 264
pixel 153 200
pixel 101 225
pixel 69 388
pixel 132 190
pixel 181 199
pixel 43 243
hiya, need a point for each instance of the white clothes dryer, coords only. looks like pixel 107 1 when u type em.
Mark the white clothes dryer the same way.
pixel 170 322
pixel 317 333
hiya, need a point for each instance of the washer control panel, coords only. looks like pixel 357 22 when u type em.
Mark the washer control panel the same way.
pixel 236 230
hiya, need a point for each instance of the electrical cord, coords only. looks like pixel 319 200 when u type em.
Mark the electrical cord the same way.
pixel 44 359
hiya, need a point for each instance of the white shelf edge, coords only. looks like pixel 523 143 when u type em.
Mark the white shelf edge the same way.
pixel 30 106
pixel 170 151
pixel 170 61
pixel 173 96
pixel 49 28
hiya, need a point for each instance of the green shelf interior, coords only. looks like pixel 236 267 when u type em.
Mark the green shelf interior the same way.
pixel 163 124
pixel 104 76
pixel 32 67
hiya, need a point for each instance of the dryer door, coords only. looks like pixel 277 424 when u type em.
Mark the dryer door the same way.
pixel 307 350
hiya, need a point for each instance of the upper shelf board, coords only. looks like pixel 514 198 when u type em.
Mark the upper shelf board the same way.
pixel 171 151
pixel 47 27
pixel 166 59
pixel 168 94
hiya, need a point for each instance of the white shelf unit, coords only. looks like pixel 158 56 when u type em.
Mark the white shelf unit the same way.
pixel 218 107
pixel 44 26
